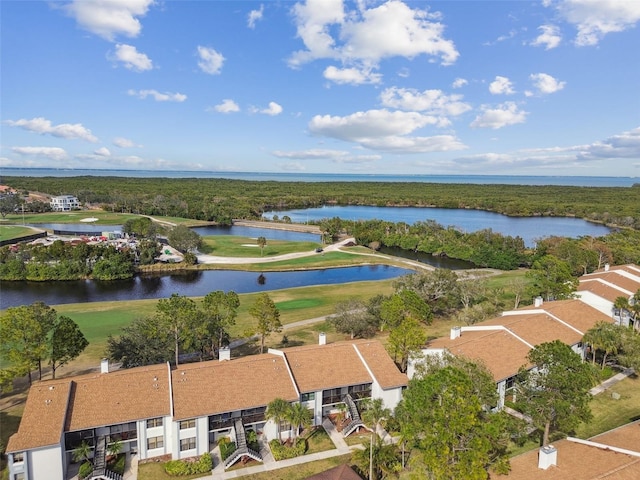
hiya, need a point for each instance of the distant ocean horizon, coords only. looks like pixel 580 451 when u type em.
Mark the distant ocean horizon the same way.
pixel 578 181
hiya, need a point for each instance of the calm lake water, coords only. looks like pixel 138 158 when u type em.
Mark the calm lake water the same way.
pixel 191 283
pixel 530 229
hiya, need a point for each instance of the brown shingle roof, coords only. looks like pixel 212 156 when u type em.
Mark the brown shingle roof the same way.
pixel 320 367
pixel 118 397
pixel 617 277
pixel 601 290
pixel 216 387
pixel 576 313
pixel 43 418
pixel 576 460
pixel 379 362
pixel 502 353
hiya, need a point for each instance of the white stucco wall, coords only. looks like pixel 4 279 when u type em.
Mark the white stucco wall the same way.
pixel 46 463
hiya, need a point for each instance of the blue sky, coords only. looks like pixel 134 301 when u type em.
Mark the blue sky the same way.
pixel 323 86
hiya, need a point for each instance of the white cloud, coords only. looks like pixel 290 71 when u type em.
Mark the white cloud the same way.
pixel 273 109
pixel 103 152
pixel 353 76
pixel 434 102
pixel 459 83
pixel 596 18
pixel 336 156
pixel 502 116
pixel 109 18
pixel 131 58
pixel 64 130
pixel 624 146
pixel 210 60
pixel 312 154
pixel 549 38
pixel 501 86
pixel 158 96
pixel 546 83
pixel 227 106
pixel 354 37
pixel 254 16
pixel 384 130
pixel 124 142
pixel 53 153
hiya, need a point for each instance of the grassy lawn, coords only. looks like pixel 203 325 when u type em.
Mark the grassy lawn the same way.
pixel 8 232
pixel 358 439
pixel 155 471
pixel 298 472
pixel 318 440
pixel 98 320
pixel 235 246
pixel 609 413
pixel 104 218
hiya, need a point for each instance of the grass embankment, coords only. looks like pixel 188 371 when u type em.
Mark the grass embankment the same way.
pixel 9 232
pixel 247 247
pixel 103 218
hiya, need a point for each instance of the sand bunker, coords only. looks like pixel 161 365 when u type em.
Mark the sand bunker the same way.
pixel 88 220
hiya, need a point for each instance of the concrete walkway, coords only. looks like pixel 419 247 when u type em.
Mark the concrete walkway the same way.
pixel 611 381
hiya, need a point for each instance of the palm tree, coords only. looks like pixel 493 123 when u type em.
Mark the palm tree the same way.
pixel 277 411
pixel 262 241
pixel 114 448
pixel 378 459
pixel 299 416
pixel 82 452
pixel 376 415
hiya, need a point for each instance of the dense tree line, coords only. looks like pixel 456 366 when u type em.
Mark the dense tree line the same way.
pixel 66 261
pixel 214 199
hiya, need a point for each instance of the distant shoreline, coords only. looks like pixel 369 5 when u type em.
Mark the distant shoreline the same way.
pixel 566 180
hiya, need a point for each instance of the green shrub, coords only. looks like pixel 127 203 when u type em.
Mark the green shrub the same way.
pixel 85 470
pixel 118 465
pixel 184 467
pixel 282 452
pixel 226 448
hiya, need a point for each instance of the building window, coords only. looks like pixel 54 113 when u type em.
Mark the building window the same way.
pixel 191 423
pixel 187 444
pixel 155 442
pixel 18 457
pixel 19 476
pixel 154 422
pixel 305 397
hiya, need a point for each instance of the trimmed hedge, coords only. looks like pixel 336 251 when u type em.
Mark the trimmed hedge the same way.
pixel 282 452
pixel 184 467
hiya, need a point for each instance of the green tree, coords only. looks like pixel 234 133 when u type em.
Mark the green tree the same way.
pixel 375 414
pixel 629 354
pixel 8 204
pixel 299 417
pixel 82 453
pixel 220 311
pixel 603 336
pixel 452 432
pixel 403 305
pixel 24 337
pixel 143 342
pixel 67 342
pixel 184 239
pixel 262 242
pixel 552 278
pixel 278 410
pixel 404 340
pixel 555 392
pixel 379 460
pixel 265 312
pixel 353 318
pixel 178 314
pixel 438 288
